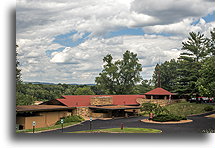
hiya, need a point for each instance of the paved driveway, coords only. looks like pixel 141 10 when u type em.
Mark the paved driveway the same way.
pixel 199 125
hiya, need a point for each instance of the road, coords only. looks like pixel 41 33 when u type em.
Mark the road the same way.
pixel 200 124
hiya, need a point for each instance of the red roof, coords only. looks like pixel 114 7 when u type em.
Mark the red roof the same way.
pixel 159 91
pixel 84 100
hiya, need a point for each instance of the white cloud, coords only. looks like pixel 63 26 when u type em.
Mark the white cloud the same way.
pixel 88 56
pixel 39 22
pixel 171 11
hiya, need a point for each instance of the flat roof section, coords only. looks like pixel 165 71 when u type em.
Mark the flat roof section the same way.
pixel 29 108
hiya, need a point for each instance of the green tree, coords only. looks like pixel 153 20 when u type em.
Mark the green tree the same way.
pixel 212 42
pixel 195 50
pixel 84 91
pixel 206 83
pixel 156 109
pixel 18 71
pixel 142 88
pixel 168 74
pixel 119 77
pixel 21 97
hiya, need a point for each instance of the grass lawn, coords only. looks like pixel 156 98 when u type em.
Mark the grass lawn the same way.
pixel 186 108
pixel 118 130
pixel 46 128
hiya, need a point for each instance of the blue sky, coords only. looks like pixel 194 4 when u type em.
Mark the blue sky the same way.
pixel 65 39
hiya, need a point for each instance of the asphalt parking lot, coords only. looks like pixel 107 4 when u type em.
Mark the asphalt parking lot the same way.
pixel 200 124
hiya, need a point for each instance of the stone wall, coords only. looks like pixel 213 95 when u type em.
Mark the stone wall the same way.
pixel 101 115
pixel 82 111
pixel 101 100
pixel 161 102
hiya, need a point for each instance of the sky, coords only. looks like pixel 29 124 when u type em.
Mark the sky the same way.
pixel 64 41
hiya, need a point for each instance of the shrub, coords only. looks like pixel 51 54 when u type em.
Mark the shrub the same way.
pixel 168 117
pixel 149 107
pixel 68 119
pixel 142 114
pixel 208 108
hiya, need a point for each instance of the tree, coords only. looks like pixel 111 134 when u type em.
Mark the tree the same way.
pixel 155 109
pixel 212 42
pixel 168 74
pixel 21 98
pixel 142 88
pixel 18 71
pixel 119 77
pixel 84 91
pixel 206 83
pixel 195 50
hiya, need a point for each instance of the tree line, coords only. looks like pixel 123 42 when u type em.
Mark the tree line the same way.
pixel 193 73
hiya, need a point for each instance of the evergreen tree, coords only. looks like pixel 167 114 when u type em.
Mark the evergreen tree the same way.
pixel 206 83
pixel 212 43
pixel 195 50
pixel 168 75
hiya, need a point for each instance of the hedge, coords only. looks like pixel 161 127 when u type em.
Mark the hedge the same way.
pixel 168 117
pixel 68 119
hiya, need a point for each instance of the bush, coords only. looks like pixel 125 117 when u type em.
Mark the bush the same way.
pixel 68 119
pixel 153 108
pixel 208 108
pixel 168 117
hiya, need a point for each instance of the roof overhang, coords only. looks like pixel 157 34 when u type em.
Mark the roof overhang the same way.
pixel 40 108
pixel 114 107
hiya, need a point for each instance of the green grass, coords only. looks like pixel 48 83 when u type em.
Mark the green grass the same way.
pixel 46 128
pixel 118 130
pixel 186 108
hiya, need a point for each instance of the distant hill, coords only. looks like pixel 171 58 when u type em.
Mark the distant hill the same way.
pixel 47 83
pixel 40 83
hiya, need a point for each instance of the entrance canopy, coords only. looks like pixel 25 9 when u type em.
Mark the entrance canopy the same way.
pixel 158 93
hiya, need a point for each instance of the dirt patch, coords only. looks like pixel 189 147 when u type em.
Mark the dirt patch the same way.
pixel 169 122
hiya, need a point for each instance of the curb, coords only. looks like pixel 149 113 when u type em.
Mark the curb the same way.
pixel 57 128
pixel 171 122
pixel 202 114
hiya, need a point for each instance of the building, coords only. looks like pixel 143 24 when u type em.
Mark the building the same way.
pixel 96 106
pixel 159 93
pixel 100 106
pixel 43 115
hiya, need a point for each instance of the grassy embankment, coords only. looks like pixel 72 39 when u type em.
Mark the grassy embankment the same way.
pixel 119 130
pixel 46 128
pixel 186 108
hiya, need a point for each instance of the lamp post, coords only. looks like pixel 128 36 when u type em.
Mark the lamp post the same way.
pixel 61 121
pixel 91 123
pixel 34 124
